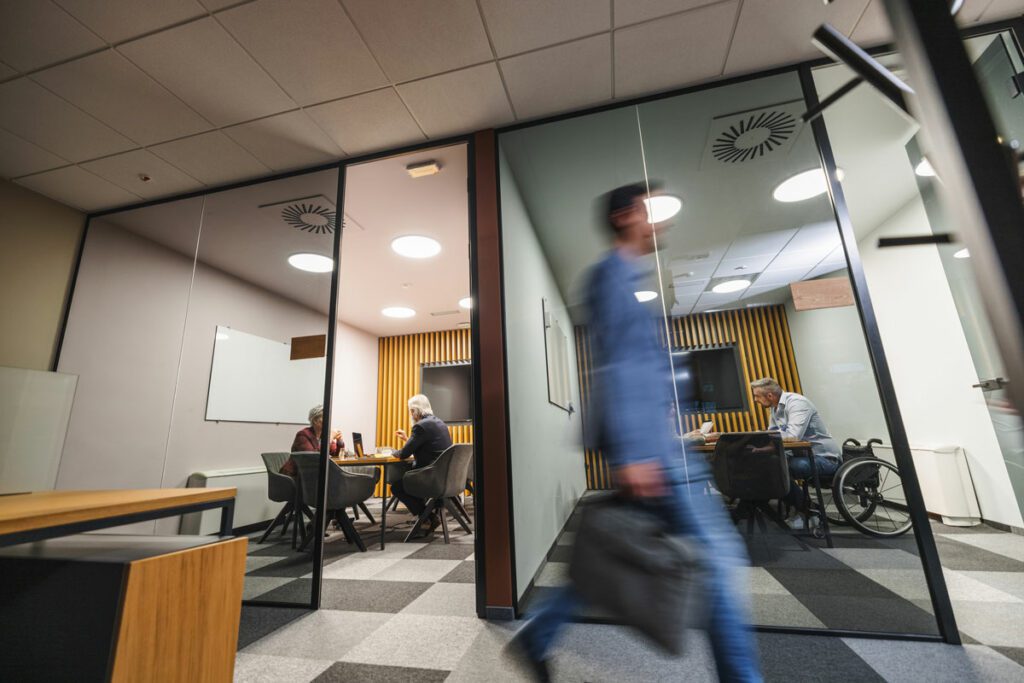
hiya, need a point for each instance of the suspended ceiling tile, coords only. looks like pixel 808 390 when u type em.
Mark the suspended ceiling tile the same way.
pixel 524 25
pixel 763 243
pixel 630 11
pixel 560 78
pixel 369 122
pixel 779 32
pixel 78 188
pixel 311 48
pixel 206 68
pixel 873 27
pixel 778 277
pixel 7 72
pixel 417 39
pixel 118 20
pixel 124 170
pixel 285 141
pixel 214 5
pixel 670 52
pixel 34 33
pixel 998 9
pixel 458 102
pixel 117 93
pixel 39 116
pixel 212 158
pixel 745 266
pixel 19 157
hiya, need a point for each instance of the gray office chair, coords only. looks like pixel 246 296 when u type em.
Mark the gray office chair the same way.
pixel 344 489
pixel 373 473
pixel 281 489
pixel 441 483
pixel 751 467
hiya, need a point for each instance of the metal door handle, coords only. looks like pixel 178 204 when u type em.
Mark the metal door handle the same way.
pixel 991 384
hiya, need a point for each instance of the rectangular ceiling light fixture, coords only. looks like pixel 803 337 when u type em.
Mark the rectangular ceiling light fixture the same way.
pixel 423 168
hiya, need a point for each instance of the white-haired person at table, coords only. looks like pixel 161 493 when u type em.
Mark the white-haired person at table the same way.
pixel 429 438
pixel 796 417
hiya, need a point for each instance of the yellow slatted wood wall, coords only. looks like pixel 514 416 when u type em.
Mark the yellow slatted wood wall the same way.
pixel 398 378
pixel 762 340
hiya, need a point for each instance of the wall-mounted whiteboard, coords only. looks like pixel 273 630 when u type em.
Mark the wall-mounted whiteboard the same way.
pixel 556 347
pixel 253 379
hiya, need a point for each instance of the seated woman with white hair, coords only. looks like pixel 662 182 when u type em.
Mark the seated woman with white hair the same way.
pixel 307 440
pixel 429 439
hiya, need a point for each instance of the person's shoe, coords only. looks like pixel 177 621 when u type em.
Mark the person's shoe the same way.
pixel 517 651
pixel 796 522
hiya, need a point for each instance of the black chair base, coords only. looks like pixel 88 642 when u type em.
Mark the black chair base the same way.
pixel 283 517
pixel 453 505
pixel 347 528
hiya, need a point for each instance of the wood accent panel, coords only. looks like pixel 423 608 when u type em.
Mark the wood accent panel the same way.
pixel 762 340
pixel 494 514
pixel 314 346
pixel 180 615
pixel 31 511
pixel 827 293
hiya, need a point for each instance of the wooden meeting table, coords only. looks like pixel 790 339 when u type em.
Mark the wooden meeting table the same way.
pixel 383 461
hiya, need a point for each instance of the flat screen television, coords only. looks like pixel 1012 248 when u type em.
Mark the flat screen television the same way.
pixel 450 390
pixel 709 380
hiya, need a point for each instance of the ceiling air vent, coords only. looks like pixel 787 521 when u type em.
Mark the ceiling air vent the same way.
pixel 751 135
pixel 440 313
pixel 315 214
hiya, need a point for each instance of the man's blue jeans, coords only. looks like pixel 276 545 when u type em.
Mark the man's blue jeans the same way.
pixel 800 468
pixel 692 511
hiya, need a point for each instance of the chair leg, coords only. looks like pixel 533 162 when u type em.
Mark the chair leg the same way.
pixel 350 531
pixel 428 508
pixel 462 508
pixel 444 523
pixel 450 503
pixel 282 516
pixel 355 512
pixel 393 503
pixel 366 511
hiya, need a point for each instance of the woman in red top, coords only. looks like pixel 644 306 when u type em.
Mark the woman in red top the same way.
pixel 308 440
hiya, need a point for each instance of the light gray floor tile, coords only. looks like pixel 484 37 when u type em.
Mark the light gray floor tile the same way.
pixel 445 599
pixel 911 584
pixel 359 567
pixel 256 586
pixel 402 642
pixel 1007 545
pixel 1008 582
pixel 485 660
pixel 782 610
pixel 553 574
pixel 868 558
pixel 909 661
pixel 991 623
pixel 267 669
pixel 325 634
pixel 760 580
pixel 417 570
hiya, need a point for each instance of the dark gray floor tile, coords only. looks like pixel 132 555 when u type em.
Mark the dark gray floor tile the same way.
pixel 259 621
pixel 355 596
pixel 441 551
pixel 857 613
pixel 786 658
pixel 345 672
pixel 464 573
pixel 561 553
pixel 296 565
pixel 836 582
pixel 962 556
pixel 1014 653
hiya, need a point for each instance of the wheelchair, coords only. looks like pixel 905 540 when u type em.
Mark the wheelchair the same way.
pixel 866 493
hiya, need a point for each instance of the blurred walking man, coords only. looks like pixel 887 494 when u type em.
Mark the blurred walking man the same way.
pixel 632 389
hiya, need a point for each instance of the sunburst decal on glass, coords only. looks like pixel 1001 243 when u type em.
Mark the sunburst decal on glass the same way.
pixel 754 136
pixel 309 218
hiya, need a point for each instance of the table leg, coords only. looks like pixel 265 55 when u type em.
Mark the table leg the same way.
pixel 227 517
pixel 384 504
pixel 821 500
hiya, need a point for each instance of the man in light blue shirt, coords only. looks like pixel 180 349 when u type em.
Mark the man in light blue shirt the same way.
pixel 796 417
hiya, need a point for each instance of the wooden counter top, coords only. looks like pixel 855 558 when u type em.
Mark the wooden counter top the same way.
pixel 43 509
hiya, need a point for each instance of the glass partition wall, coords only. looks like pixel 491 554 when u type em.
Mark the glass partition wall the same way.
pixel 749 282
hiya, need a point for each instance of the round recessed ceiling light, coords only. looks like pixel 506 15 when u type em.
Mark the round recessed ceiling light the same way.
pixel 924 169
pixel 311 263
pixel 803 186
pixel 466 303
pixel 398 312
pixel 416 246
pixel 646 295
pixel 662 207
pixel 730 286
pixel 963 253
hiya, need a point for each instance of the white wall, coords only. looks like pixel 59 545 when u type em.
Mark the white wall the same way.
pixel 123 339
pixel 930 361
pixel 548 475
pixel 835 370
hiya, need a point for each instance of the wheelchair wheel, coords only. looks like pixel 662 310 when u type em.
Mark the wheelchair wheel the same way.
pixel 835 518
pixel 869 495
